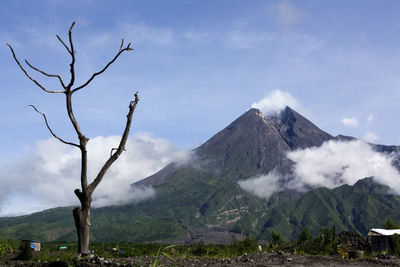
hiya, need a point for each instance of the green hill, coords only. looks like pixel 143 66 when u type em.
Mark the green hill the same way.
pixel 352 208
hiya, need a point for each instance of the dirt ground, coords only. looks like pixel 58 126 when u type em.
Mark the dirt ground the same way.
pixel 270 259
pixel 258 259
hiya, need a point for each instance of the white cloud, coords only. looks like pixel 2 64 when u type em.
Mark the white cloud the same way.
pixel 48 176
pixel 332 164
pixel 371 137
pixel 275 102
pixel 287 14
pixel 370 119
pixel 350 122
pixel 262 186
pixel 336 163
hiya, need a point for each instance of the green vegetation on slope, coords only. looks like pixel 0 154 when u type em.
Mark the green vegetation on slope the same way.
pixel 354 208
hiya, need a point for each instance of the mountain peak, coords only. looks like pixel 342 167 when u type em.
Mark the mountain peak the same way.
pixel 253 144
pixel 287 109
pixel 253 130
pixel 298 131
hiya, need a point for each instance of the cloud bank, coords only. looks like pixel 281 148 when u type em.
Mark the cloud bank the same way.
pixel 275 102
pixel 48 175
pixel 332 164
pixel 353 122
pixel 262 186
pixel 371 137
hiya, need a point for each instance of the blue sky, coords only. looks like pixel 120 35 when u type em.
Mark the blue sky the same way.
pixel 198 65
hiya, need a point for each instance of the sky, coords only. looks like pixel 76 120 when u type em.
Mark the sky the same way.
pixel 197 65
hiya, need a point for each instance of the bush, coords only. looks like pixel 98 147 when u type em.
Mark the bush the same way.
pixel 326 243
pixel 4 249
pixel 25 251
pixel 200 249
pixel 304 237
pixel 276 239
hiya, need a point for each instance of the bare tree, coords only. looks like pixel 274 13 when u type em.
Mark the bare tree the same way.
pixel 82 214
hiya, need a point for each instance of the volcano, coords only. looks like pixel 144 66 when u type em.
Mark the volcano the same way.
pixel 205 193
pixel 251 145
pixel 202 199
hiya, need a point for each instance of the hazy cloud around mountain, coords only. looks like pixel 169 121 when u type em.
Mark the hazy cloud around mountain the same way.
pixel 275 101
pixel 332 164
pixel 48 175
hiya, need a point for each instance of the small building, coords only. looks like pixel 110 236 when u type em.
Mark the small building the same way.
pixel 35 245
pixel 380 238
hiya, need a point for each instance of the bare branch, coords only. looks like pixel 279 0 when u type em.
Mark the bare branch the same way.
pixel 46 74
pixel 48 127
pixel 72 52
pixel 122 44
pixel 79 194
pixel 114 149
pixel 121 147
pixel 72 118
pixel 27 75
pixel 58 37
pixel 127 48
pixel 72 25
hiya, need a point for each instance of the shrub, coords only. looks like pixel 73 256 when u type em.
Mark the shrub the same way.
pixel 276 239
pixel 304 237
pixel 25 251
pixel 4 249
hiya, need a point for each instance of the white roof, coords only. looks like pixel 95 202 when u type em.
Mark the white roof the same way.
pixel 385 232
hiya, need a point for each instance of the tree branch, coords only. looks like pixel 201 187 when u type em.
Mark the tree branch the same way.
pixel 122 44
pixel 80 196
pixel 72 118
pixel 66 47
pixel 120 51
pixel 72 52
pixel 46 74
pixel 26 73
pixel 114 149
pixel 121 147
pixel 48 127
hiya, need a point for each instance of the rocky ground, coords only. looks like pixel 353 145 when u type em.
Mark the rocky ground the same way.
pixel 270 259
pixel 258 259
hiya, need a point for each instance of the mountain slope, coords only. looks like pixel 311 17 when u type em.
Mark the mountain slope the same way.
pixel 352 208
pixel 355 208
pixel 251 145
pixel 204 193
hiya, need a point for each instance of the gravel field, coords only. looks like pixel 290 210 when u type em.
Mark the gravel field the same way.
pixel 258 259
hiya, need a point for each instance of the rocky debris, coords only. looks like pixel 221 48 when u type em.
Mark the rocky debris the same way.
pixel 262 259
pixel 93 260
pixel 210 235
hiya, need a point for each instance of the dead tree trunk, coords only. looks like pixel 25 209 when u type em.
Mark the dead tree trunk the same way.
pixel 82 214
pixel 82 224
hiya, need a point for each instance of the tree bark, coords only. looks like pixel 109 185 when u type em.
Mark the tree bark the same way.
pixel 82 224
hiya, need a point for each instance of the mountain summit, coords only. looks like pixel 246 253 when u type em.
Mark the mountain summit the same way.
pixel 253 144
